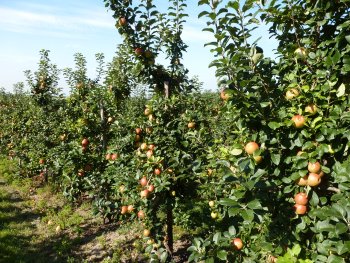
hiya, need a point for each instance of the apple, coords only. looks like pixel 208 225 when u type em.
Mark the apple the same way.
pixel 149 130
pixel 151 117
pixel 300 52
pixel 258 159
pixel 141 214
pixel 313 179
pixel 299 121
pixel 130 208
pixel 157 171
pixel 302 181
pixel 138 51
pixel 145 193
pixel 311 109
pixel 114 156
pixel 151 147
pixel 138 131
pixel 292 93
pixel 42 174
pixel 301 199
pixel 58 229
pixel 122 21
pixel 151 188
pixel 211 203
pixel 321 174
pixel 108 156
pixel 148 111
pixel 146 232
pixel 299 153
pixel 214 215
pixel 149 154
pixel 79 85
pixel 314 167
pixel 300 209
pixel 143 181
pixel 124 210
pixel 63 137
pixel 110 119
pixel 122 188
pixel 88 167
pixel 191 125
pixel 226 94
pixel 209 171
pixel 148 54
pixel 237 243
pixel 85 142
pixel 42 161
pixel 143 146
pixel 81 173
pixel 251 147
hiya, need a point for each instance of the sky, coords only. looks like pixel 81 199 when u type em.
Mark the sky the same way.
pixel 66 27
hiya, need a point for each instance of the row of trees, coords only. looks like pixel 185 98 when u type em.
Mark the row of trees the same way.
pixel 258 173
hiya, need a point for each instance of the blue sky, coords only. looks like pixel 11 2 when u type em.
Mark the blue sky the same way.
pixel 66 27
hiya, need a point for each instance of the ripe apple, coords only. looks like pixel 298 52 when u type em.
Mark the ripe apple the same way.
pixel 151 147
pixel 141 214
pixel 151 117
pixel 214 215
pixel 300 209
pixel 122 21
pixel 138 131
pixel 313 179
pixel 151 188
pixel 110 119
pixel 138 51
pixel 42 161
pixel 299 153
pixel 143 181
pixel 257 159
pixel 85 142
pixel 145 193
pixel 191 125
pixel 157 171
pixel 63 137
pixel 81 173
pixel 130 208
pixel 299 121
pixel 311 109
pixel 149 154
pixel 143 146
pixel 211 203
pixel 146 232
pixel 58 229
pixel 314 167
pixel 108 156
pixel 226 94
pixel 137 138
pixel 124 210
pixel 251 147
pixel 237 243
pixel 301 199
pixel 300 52
pixel 292 93
pixel 114 156
pixel 302 181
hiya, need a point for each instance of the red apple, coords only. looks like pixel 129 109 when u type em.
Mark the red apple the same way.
pixel 151 147
pixel 151 188
pixel 122 21
pixel 300 209
pixel 41 161
pixel 108 156
pixel 114 156
pixel 226 94
pixel 81 173
pixel 302 181
pixel 143 181
pixel 237 243
pixel 85 142
pixel 138 131
pixel 301 199
pixel 144 193
pixel 130 208
pixel 124 210
pixel 157 171
pixel 143 146
pixel 313 179
pixel 149 154
pixel 141 214
pixel 138 51
pixel 299 121
pixel 251 147
pixel 314 167
pixel 311 109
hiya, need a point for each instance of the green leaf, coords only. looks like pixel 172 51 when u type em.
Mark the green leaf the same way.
pixel 248 215
pixel 236 152
pixel 222 254
pixel 217 237
pixel 275 158
pixel 255 204
pixel 232 230
pixel 341 90
pixel 274 125
pixel 296 250
pixel 228 202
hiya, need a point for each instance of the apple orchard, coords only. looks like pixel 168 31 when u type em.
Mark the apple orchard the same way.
pixel 258 172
